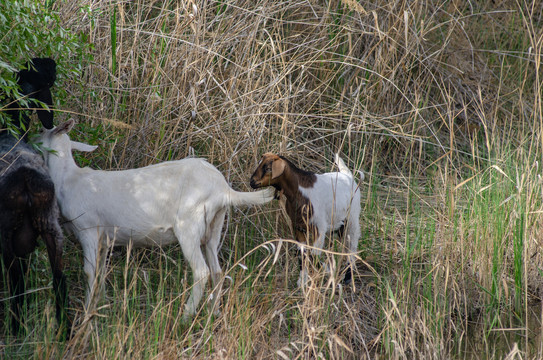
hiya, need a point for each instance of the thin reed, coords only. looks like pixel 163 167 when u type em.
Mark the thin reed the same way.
pixel 438 102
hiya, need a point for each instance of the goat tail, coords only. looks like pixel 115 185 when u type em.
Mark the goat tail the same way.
pixel 344 169
pixel 341 166
pixel 240 198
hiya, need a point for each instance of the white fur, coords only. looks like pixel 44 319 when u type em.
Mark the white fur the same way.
pixel 181 201
pixel 335 197
pixel 336 201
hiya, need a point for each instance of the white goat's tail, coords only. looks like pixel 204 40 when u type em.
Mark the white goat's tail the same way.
pixel 240 198
pixel 344 169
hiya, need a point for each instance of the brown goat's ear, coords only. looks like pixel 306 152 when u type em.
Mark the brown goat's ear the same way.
pixel 278 166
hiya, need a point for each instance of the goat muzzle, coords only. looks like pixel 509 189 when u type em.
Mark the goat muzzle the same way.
pixel 253 184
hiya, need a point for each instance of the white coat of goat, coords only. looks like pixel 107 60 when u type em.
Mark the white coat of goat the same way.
pixel 316 204
pixel 184 201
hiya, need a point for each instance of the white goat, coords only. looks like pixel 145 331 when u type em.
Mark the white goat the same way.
pixel 316 203
pixel 184 201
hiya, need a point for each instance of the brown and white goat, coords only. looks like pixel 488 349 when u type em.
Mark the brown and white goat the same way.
pixel 315 203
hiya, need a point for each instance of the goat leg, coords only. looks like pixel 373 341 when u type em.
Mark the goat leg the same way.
pixel 16 268
pixel 53 241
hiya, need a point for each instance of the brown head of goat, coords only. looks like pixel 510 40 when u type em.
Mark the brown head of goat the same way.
pixel 286 178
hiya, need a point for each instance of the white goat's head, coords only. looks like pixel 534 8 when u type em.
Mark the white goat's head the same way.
pixel 57 140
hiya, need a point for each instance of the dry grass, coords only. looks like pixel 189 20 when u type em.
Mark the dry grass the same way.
pixel 438 102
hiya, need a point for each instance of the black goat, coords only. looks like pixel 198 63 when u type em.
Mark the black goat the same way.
pixel 35 82
pixel 28 208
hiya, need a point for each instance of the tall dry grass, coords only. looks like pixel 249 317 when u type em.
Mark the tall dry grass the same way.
pixel 438 102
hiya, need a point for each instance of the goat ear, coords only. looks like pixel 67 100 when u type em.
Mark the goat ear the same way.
pixel 76 145
pixel 64 128
pixel 278 166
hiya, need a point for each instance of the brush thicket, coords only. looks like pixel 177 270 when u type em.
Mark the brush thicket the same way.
pixel 439 103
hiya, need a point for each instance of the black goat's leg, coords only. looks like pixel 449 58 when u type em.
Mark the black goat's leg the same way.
pixel 15 277
pixel 16 271
pixel 53 241
pixel 17 280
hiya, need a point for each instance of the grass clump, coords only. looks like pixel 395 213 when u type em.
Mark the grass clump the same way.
pixel 439 103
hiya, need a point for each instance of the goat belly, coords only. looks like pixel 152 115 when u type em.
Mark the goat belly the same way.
pixel 159 236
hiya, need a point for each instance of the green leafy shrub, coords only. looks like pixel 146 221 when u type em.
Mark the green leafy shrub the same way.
pixel 31 29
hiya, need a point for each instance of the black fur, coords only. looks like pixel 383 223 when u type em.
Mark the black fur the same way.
pixel 28 208
pixel 35 82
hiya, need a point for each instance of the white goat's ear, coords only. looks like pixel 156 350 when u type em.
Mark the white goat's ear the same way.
pixel 278 166
pixel 76 145
pixel 64 128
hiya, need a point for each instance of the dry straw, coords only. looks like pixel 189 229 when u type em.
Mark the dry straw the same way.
pixel 439 103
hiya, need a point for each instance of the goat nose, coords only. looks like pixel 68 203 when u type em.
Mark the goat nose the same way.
pixel 253 183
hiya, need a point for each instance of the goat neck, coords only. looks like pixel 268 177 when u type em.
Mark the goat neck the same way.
pixel 292 179
pixel 61 161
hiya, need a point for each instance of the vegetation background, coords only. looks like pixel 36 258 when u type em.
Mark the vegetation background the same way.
pixel 438 102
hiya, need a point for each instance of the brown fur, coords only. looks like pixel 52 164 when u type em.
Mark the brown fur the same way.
pixel 285 177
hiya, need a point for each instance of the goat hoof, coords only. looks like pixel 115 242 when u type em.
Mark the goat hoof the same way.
pixel 186 318
pixel 348 278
